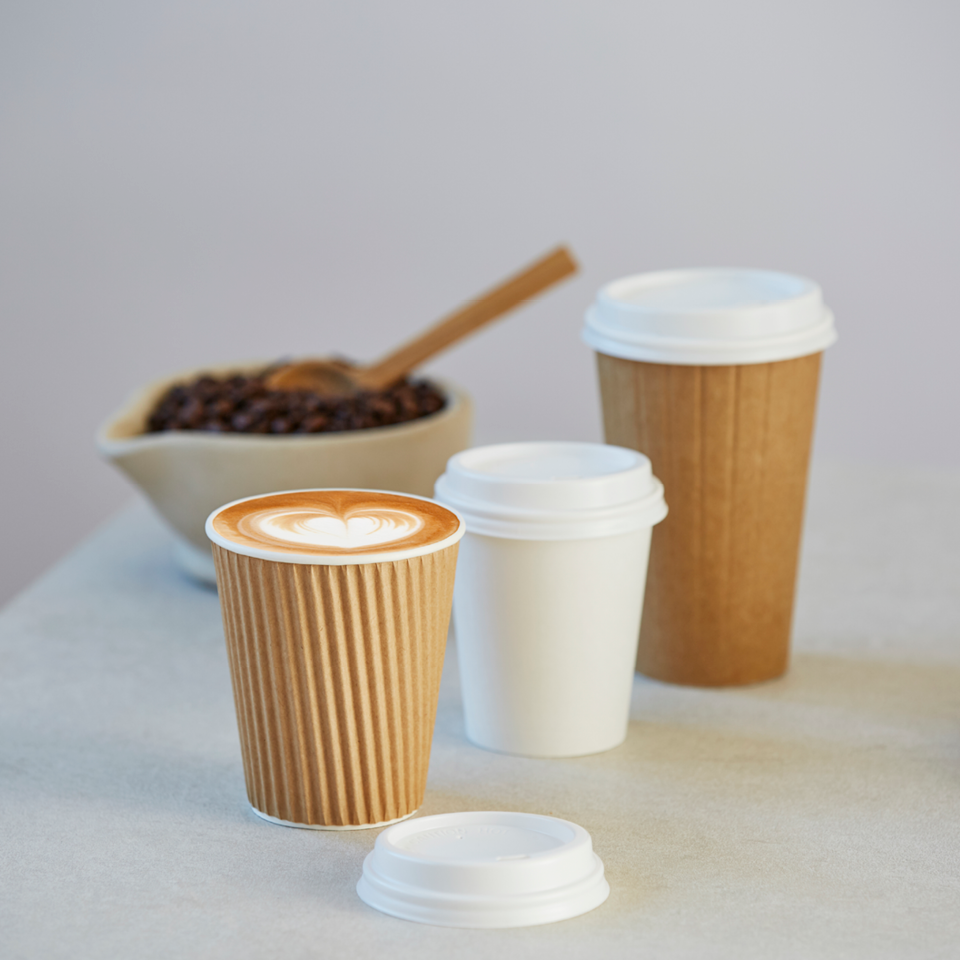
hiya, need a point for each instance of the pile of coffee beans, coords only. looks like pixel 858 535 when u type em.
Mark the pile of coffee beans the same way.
pixel 243 404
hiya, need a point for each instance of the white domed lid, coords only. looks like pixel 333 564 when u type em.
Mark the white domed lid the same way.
pixel 552 490
pixel 710 317
pixel 487 869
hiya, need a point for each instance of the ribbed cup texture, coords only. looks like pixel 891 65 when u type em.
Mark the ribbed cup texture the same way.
pixel 336 674
pixel 732 446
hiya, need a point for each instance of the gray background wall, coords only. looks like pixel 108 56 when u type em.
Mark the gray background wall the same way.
pixel 192 182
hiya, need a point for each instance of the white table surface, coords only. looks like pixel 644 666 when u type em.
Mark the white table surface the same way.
pixel 816 816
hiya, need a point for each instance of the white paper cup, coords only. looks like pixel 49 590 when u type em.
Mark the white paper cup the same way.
pixel 549 591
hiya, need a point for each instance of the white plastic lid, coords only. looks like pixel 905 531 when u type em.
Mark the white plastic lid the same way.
pixel 483 870
pixel 552 490
pixel 710 317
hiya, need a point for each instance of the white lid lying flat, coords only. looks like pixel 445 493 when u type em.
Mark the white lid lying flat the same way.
pixel 710 317
pixel 552 490
pixel 483 870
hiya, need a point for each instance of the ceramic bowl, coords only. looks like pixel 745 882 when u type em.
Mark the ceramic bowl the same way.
pixel 188 474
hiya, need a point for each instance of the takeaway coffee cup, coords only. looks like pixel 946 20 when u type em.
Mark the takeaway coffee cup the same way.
pixel 713 374
pixel 335 608
pixel 549 591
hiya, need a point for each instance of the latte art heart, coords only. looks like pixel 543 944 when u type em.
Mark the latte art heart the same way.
pixel 334 524
pixel 309 527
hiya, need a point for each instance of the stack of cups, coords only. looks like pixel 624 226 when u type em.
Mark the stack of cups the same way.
pixel 549 591
pixel 713 374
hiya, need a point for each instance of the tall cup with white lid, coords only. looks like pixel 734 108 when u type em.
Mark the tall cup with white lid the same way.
pixel 549 591
pixel 713 374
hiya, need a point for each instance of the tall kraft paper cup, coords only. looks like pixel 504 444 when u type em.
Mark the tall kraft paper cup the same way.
pixel 713 374
pixel 335 663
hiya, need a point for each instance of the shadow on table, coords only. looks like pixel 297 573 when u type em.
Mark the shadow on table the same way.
pixel 886 688
pixel 826 711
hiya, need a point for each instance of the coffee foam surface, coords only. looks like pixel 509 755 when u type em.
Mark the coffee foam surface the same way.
pixel 335 523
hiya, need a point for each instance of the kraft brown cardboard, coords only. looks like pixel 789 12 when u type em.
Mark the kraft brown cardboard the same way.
pixel 336 674
pixel 732 446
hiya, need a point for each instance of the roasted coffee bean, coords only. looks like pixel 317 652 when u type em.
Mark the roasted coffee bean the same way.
pixel 241 422
pixel 243 404
pixel 408 401
pixel 260 407
pixel 190 414
pixel 383 407
pixel 315 423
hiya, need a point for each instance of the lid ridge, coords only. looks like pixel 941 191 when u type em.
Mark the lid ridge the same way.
pixel 710 317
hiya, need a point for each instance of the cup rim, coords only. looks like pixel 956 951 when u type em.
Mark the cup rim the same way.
pixel 762 317
pixel 605 503
pixel 341 560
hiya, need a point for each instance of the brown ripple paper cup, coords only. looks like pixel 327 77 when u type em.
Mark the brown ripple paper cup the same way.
pixel 336 674
pixel 731 443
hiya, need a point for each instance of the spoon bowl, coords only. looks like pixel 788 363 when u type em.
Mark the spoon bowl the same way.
pixel 337 378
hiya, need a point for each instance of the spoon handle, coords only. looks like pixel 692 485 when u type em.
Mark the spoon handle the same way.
pixel 511 293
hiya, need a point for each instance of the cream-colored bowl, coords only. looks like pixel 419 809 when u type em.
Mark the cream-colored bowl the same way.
pixel 188 474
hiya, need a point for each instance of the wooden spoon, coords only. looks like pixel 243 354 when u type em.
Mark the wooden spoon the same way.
pixel 339 378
